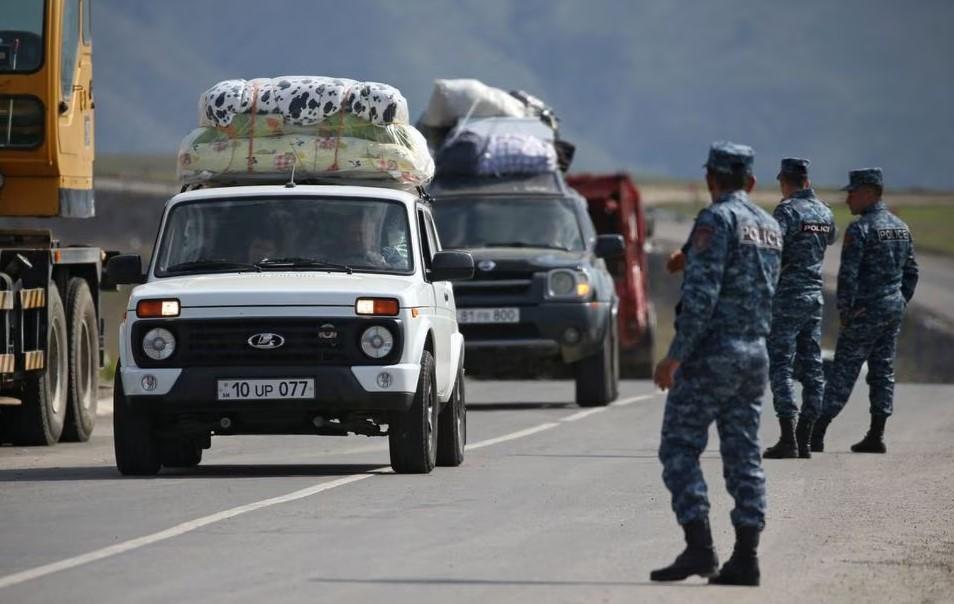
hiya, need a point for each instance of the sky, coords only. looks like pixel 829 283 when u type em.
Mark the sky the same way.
pixel 639 86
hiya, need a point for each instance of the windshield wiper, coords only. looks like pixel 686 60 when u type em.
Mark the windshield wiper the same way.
pixel 296 262
pixel 212 263
pixel 525 244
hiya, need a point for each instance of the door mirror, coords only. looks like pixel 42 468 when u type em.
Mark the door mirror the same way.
pixel 124 269
pixel 452 266
pixel 610 246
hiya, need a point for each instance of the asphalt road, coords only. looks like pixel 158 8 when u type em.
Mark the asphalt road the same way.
pixel 553 504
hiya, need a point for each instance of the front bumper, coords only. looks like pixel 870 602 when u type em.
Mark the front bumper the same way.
pixel 542 331
pixel 338 390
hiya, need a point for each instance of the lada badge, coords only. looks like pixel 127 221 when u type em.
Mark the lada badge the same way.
pixel 486 265
pixel 266 341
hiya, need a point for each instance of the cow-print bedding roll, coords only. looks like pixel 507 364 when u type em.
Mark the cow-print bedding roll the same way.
pixel 302 100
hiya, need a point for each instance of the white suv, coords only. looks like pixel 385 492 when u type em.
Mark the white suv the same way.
pixel 291 310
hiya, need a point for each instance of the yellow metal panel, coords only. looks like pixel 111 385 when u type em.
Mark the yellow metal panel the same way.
pixel 30 196
pixel 33 178
pixel 6 300
pixel 6 363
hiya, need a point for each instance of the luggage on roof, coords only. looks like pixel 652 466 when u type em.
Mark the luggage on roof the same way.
pixel 479 129
pixel 322 128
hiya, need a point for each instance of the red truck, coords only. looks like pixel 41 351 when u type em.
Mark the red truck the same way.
pixel 616 209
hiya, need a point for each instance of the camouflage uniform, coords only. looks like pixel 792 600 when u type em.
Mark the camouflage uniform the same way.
pixel 877 278
pixel 731 271
pixel 808 228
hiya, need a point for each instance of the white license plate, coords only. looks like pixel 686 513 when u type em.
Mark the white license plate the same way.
pixel 488 315
pixel 233 390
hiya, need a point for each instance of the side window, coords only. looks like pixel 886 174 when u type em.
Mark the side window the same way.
pixel 70 50
pixel 427 249
pixel 432 234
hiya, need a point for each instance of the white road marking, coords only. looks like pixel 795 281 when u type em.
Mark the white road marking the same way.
pixel 581 414
pixel 192 525
pixel 512 436
pixel 634 399
pixel 175 531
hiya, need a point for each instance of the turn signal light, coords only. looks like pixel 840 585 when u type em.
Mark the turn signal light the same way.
pixel 386 307
pixel 151 309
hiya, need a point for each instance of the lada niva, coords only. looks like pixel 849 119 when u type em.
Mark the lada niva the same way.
pixel 309 309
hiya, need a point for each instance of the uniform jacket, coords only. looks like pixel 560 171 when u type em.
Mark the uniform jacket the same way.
pixel 878 266
pixel 732 267
pixel 808 228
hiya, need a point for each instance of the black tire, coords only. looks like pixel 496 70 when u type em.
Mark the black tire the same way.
pixel 452 426
pixel 83 362
pixel 180 453
pixel 597 376
pixel 40 418
pixel 412 436
pixel 134 440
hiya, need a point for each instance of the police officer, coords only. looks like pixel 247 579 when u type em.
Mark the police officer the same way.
pixel 876 280
pixel 717 368
pixel 808 228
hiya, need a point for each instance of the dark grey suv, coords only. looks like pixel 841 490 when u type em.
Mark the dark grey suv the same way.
pixel 541 289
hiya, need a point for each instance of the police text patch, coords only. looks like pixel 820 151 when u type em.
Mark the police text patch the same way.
pixel 816 227
pixel 893 235
pixel 753 234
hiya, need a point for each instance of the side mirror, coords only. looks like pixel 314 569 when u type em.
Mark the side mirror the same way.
pixel 610 246
pixel 452 266
pixel 125 269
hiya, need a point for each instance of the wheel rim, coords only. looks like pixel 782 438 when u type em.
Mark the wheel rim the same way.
pixel 54 379
pixel 86 368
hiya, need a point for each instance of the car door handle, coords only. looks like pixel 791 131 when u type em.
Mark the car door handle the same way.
pixel 446 297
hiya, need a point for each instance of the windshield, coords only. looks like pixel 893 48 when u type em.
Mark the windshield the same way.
pixel 21 35
pixel 287 233
pixel 508 222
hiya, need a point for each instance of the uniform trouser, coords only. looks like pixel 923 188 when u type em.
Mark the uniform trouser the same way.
pixel 871 337
pixel 796 338
pixel 722 383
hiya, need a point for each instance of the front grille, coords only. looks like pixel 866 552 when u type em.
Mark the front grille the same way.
pixel 488 289
pixel 225 342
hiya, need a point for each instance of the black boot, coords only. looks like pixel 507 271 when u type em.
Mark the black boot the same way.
pixel 873 442
pixel 785 447
pixel 803 437
pixel 699 557
pixel 743 567
pixel 818 433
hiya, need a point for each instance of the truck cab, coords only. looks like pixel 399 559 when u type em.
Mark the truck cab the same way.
pixel 308 309
pixel 542 289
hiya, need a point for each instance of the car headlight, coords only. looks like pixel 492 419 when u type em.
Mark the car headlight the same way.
pixel 377 342
pixel 159 344
pixel 565 283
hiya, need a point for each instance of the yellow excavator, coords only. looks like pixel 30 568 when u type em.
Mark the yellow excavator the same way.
pixel 50 345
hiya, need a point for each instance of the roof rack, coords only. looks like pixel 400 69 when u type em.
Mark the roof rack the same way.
pixel 238 180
